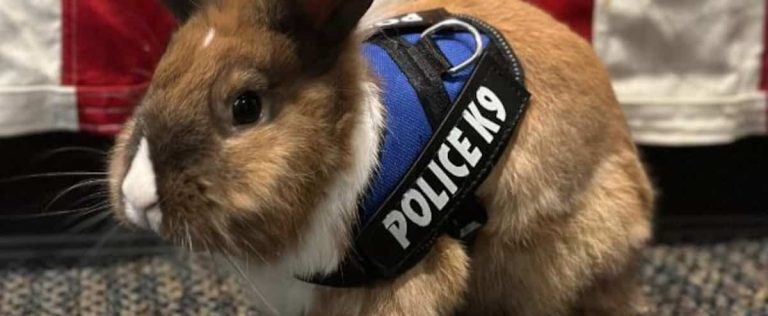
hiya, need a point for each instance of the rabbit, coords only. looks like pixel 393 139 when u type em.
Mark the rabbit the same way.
pixel 260 131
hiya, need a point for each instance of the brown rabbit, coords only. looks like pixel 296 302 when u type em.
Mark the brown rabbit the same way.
pixel 261 130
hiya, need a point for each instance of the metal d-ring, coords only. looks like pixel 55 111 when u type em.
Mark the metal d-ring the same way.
pixel 458 24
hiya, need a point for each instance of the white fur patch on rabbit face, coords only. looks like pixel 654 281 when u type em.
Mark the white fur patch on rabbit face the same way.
pixel 140 191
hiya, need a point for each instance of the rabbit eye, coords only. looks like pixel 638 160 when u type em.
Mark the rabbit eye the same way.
pixel 246 108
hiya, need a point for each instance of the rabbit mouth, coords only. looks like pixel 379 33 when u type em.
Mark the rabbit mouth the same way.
pixel 150 218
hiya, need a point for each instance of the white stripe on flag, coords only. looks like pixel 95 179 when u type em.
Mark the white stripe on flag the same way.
pixel 37 109
pixel 686 71
pixel 30 43
pixel 31 96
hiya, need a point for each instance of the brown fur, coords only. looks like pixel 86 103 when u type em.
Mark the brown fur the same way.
pixel 569 209
pixel 218 184
pixel 569 203
pixel 436 286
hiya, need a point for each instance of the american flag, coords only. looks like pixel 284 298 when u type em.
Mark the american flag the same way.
pixel 76 65
pixel 687 72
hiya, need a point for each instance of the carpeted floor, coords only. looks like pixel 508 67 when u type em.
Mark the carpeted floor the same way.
pixel 722 279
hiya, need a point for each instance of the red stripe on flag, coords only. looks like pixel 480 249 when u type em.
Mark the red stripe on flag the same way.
pixel 110 50
pixel 577 14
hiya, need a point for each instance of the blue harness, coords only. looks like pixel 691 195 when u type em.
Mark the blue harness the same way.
pixel 407 128
pixel 454 94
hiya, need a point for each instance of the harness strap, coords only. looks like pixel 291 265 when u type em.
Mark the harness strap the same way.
pixel 424 71
pixel 482 118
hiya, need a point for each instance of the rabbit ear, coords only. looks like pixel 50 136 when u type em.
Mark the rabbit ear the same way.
pixel 334 16
pixel 181 9
pixel 323 26
pixel 340 14
pixel 317 11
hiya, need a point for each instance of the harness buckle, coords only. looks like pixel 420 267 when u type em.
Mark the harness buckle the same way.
pixel 456 23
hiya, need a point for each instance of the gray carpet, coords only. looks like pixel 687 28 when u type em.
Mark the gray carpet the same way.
pixel 723 279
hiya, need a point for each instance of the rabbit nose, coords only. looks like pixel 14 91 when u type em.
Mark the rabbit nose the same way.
pixel 140 191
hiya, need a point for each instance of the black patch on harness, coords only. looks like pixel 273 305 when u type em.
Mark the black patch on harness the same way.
pixel 436 196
